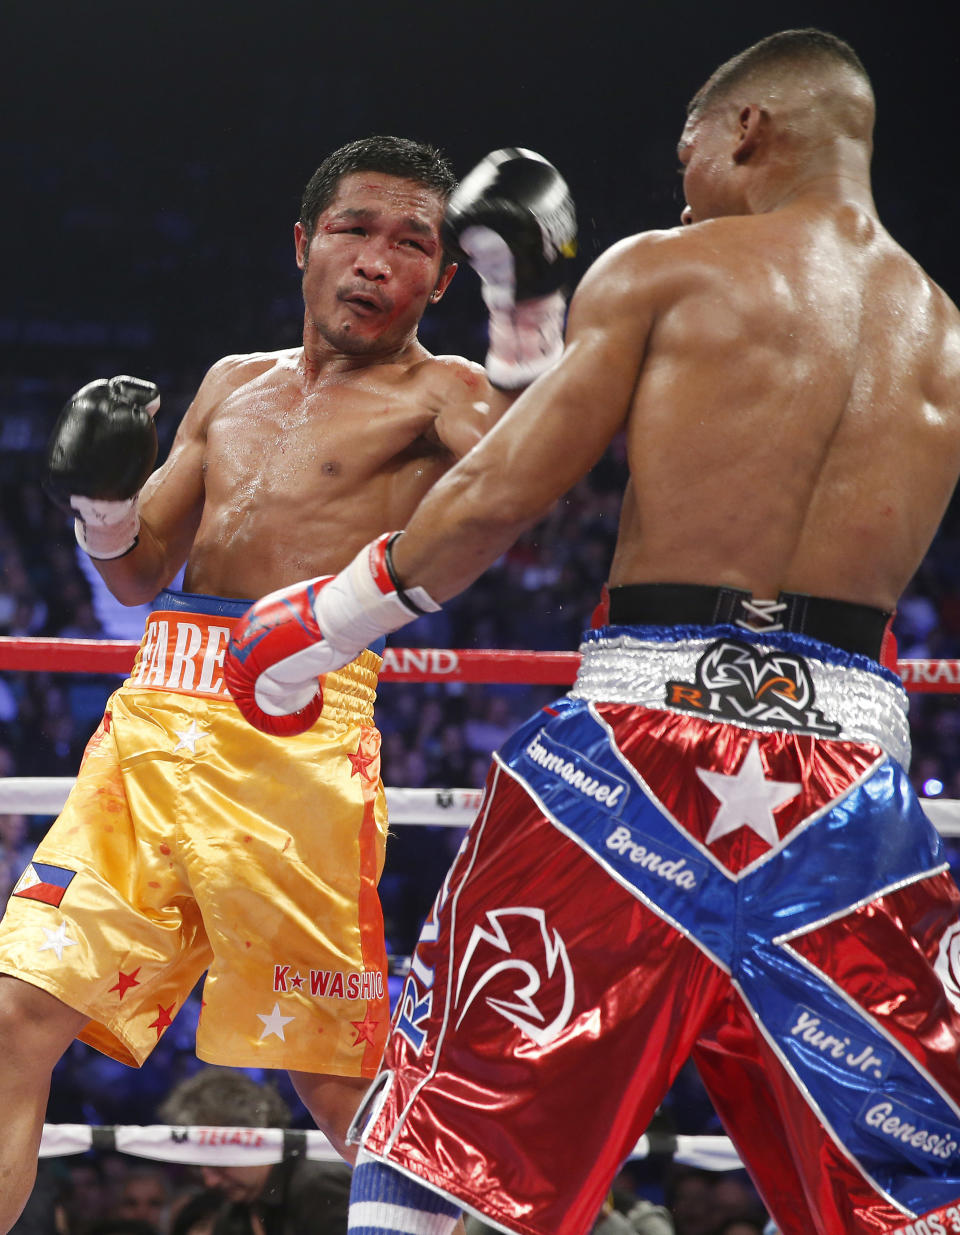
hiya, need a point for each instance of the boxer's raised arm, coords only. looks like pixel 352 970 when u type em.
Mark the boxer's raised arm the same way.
pixel 513 220
pixel 137 527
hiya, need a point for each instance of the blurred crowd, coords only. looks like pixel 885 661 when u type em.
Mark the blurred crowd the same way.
pixel 107 1193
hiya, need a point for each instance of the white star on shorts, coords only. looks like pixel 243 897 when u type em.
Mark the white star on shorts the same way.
pixel 56 940
pixel 273 1023
pixel 189 738
pixel 747 798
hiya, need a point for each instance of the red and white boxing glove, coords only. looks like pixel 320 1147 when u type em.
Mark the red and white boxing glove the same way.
pixel 285 642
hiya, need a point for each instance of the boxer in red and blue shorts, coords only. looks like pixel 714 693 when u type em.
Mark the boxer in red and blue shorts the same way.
pixel 669 863
pixel 710 848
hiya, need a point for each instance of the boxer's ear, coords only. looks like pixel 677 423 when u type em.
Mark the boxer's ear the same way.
pixel 753 124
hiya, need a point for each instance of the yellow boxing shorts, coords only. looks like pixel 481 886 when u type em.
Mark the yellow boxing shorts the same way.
pixel 192 842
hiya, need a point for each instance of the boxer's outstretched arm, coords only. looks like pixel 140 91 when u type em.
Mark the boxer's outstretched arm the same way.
pixel 551 437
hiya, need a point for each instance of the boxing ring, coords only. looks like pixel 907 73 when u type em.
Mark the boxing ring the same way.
pixel 449 807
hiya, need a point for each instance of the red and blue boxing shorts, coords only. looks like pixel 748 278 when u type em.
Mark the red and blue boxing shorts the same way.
pixel 709 848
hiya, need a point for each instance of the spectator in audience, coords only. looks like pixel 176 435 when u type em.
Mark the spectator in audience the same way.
pixel 198 1213
pixel 296 1197
pixel 145 1195
pixel 122 1226
pixel 83 1196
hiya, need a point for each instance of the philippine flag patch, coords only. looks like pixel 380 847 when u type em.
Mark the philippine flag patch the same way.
pixel 40 882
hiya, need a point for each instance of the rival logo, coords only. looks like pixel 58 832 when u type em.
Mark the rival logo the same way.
pixel 521 1010
pixel 734 681
pixel 416 1002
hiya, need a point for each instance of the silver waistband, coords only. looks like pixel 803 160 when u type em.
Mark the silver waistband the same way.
pixel 859 705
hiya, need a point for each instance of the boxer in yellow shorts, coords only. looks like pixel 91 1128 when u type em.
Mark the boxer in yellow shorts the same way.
pixel 193 842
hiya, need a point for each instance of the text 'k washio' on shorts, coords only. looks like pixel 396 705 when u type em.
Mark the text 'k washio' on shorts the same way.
pixel 190 842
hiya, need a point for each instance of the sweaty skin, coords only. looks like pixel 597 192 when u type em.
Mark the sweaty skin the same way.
pixel 287 463
pixel 787 378
pixel 284 466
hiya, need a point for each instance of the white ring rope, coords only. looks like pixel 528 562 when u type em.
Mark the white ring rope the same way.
pixel 202 1146
pixel 451 808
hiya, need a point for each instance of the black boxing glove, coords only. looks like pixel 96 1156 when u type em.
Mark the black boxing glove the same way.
pixel 100 453
pixel 513 220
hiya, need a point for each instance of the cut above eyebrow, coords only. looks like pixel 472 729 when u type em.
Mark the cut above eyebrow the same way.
pixel 417 225
pixel 364 214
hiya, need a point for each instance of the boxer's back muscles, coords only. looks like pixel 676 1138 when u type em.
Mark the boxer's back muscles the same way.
pixel 810 450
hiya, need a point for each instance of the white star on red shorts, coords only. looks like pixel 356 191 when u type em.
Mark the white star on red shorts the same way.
pixel 747 798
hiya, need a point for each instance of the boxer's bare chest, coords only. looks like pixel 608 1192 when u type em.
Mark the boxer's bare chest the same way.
pixel 270 435
pixel 294 483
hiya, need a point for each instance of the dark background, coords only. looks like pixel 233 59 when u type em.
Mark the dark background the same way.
pixel 154 153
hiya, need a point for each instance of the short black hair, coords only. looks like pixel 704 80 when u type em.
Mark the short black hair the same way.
pixel 220 1097
pixel 786 48
pixel 391 156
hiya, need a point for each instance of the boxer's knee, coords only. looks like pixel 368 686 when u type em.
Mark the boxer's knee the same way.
pixel 35 1026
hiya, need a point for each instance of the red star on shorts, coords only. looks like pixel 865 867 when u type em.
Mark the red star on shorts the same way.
pixel 164 1018
pixel 126 980
pixel 361 762
pixel 296 981
pixel 365 1030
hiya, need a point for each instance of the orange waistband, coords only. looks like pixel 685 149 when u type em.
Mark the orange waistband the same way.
pixel 183 652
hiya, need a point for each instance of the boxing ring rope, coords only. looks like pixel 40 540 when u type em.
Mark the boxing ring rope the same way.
pixel 444 807
pixel 208 1146
pixel 431 807
pixel 451 808
pixel 405 664
pixel 399 664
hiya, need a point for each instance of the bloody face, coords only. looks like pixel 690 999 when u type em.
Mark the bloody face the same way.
pixel 372 264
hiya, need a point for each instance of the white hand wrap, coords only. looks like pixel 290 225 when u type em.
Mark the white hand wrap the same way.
pixel 356 608
pixel 362 604
pixel 105 529
pixel 526 336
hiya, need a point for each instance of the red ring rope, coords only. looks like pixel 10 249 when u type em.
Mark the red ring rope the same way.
pixel 405 664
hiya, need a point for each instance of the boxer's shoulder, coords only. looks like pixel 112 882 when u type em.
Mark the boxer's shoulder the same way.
pixel 235 371
pixel 235 377
pixel 454 375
